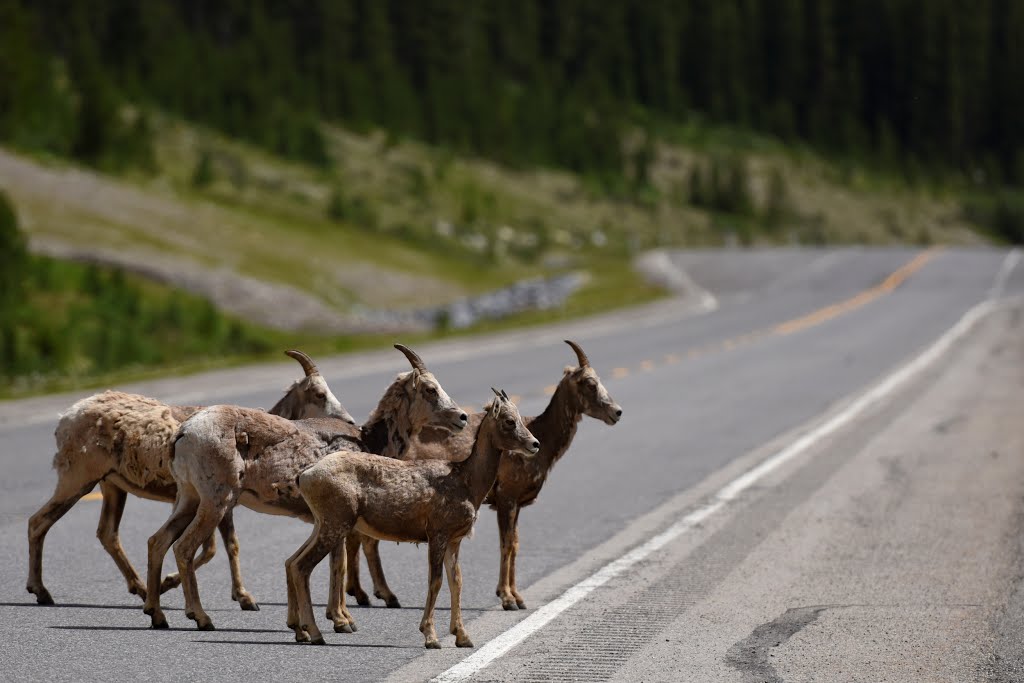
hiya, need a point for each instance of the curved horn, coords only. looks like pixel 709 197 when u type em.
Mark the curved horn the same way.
pixel 305 361
pixel 584 361
pixel 417 362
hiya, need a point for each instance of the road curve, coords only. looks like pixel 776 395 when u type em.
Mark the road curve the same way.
pixel 705 396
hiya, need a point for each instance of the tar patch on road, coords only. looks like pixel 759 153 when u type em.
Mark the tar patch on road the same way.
pixel 752 655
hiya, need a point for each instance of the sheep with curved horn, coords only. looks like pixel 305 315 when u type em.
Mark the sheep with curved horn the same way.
pixel 433 501
pixel 123 442
pixel 519 481
pixel 310 396
pixel 226 456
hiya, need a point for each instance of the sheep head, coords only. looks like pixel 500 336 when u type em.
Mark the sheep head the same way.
pixel 510 433
pixel 310 396
pixel 429 404
pixel 586 387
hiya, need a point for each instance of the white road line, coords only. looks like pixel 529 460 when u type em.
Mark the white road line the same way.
pixel 504 642
pixel 1009 263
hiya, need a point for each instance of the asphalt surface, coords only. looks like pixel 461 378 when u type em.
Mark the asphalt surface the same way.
pixel 702 393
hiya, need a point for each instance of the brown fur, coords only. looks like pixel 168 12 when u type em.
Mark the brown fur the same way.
pixel 433 502
pixel 226 455
pixel 519 479
pixel 123 442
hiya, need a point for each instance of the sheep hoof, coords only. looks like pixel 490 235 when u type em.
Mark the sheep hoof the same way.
pixel 159 622
pixel 206 626
pixel 362 599
pixel 432 645
pixel 463 643
pixel 393 603
pixel 138 590
pixel 43 597
pixel 342 628
pixel 301 636
pixel 170 582
pixel 318 641
pixel 520 603
pixel 248 605
pixel 509 605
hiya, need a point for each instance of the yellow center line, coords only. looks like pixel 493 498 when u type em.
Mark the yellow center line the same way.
pixel 858 300
pixel 894 280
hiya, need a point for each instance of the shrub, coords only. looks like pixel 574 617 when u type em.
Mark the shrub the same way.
pixel 13 256
pixel 202 174
pixel 356 210
pixel 1001 213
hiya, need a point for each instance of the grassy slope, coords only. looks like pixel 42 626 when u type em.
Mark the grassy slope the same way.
pixel 262 216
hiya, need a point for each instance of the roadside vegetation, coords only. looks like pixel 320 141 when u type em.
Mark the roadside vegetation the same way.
pixel 64 322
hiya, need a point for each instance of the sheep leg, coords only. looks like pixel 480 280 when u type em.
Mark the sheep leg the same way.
pixel 68 492
pixel 506 517
pixel 238 592
pixel 293 606
pixel 371 548
pixel 301 565
pixel 173 580
pixel 352 587
pixel 451 564
pixel 436 552
pixel 520 603
pixel 202 526
pixel 336 610
pixel 114 499
pixel 185 505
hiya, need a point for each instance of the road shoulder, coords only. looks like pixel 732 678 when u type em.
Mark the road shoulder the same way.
pixel 904 518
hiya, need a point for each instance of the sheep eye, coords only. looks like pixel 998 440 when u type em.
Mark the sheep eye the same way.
pixel 431 390
pixel 321 395
pixel 510 423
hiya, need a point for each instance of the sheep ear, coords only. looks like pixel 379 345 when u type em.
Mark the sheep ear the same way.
pixel 504 395
pixel 497 393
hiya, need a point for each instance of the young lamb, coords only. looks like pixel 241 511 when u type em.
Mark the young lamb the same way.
pixel 431 501
pixel 519 480
pixel 123 442
pixel 219 447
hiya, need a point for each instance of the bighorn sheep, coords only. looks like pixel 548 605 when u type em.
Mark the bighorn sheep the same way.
pixel 432 501
pixel 123 442
pixel 519 480
pixel 219 447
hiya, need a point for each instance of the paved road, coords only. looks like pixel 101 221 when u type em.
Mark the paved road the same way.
pixel 705 396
